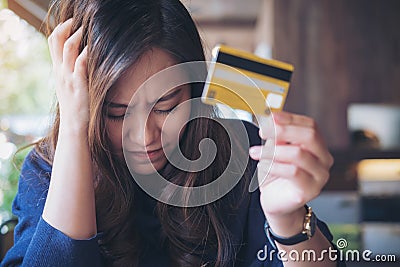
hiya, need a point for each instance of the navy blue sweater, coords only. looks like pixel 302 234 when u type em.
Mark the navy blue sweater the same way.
pixel 39 244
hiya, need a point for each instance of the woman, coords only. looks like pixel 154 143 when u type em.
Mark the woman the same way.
pixel 78 202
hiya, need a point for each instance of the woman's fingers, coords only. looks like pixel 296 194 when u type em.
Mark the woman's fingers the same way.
pixel 80 67
pixel 57 39
pixel 70 69
pixel 286 118
pixel 64 47
pixel 304 138
pixel 71 50
pixel 295 168
pixel 307 187
pixel 297 130
pixel 267 123
pixel 307 138
pixel 303 159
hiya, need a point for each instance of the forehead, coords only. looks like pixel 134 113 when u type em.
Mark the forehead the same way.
pixel 150 63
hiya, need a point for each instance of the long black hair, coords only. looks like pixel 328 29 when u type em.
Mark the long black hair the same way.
pixel 117 33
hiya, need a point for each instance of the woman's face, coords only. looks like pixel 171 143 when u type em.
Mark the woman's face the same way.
pixel 146 121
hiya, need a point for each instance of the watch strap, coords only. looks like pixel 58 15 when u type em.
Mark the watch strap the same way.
pixel 307 232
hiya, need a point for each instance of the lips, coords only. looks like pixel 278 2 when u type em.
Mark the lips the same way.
pixel 151 155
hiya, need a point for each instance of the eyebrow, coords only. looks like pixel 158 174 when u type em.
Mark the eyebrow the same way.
pixel 162 99
pixel 169 96
pixel 115 105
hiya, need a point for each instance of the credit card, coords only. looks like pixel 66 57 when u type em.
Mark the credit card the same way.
pixel 242 80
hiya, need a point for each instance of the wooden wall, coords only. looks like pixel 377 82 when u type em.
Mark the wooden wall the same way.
pixel 344 51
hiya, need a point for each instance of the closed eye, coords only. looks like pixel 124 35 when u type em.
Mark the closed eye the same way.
pixel 116 117
pixel 164 111
pixel 115 111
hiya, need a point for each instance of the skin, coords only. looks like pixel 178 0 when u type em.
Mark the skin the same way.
pixel 70 205
pixel 145 123
pixel 300 165
pixel 299 170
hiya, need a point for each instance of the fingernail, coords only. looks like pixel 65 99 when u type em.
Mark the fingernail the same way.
pixel 280 117
pixel 67 21
pixel 277 115
pixel 255 151
pixel 263 134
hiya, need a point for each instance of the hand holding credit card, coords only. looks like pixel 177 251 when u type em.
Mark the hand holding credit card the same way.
pixel 245 81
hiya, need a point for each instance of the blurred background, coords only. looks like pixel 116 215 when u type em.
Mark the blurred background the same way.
pixel 346 55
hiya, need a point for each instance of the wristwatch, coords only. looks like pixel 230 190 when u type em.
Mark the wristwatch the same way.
pixel 308 231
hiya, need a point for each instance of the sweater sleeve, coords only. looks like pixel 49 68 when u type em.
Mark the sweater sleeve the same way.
pixel 36 243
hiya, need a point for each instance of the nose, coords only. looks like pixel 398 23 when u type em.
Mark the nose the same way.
pixel 141 132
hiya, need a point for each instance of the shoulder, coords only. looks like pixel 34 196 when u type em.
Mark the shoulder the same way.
pixel 35 169
pixel 35 162
pixel 33 182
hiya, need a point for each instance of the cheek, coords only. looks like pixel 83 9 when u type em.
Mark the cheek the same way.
pixel 114 131
pixel 174 125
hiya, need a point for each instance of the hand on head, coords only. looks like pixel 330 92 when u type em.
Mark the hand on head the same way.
pixel 70 70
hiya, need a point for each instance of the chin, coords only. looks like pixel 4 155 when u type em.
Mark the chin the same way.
pixel 146 168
